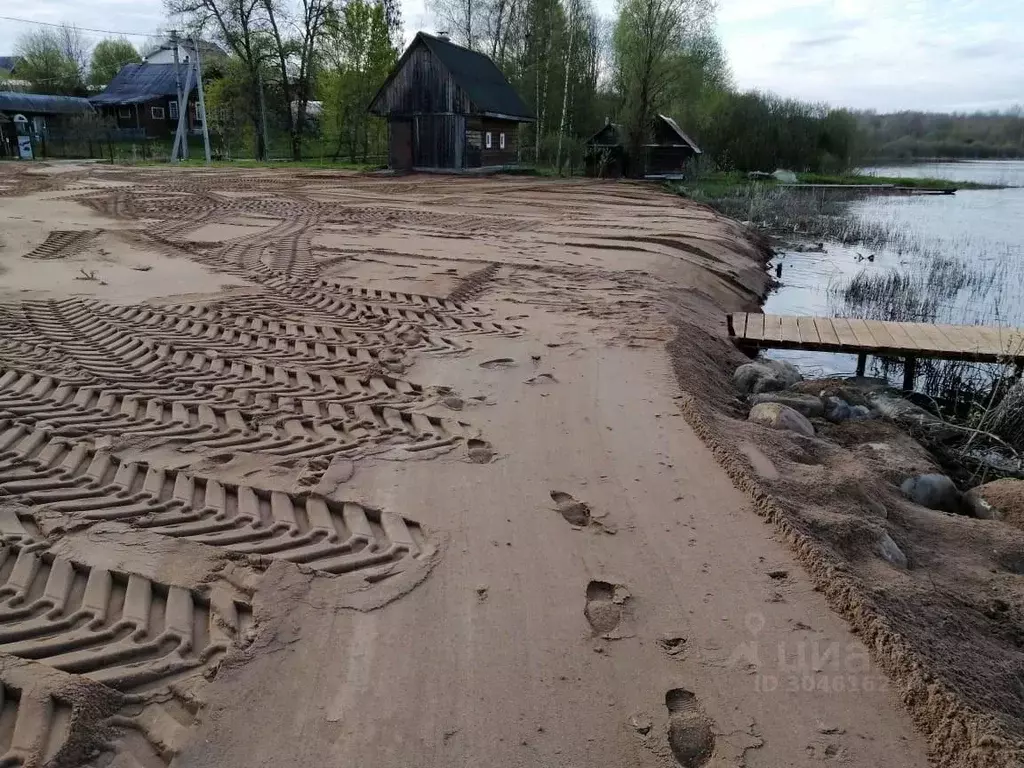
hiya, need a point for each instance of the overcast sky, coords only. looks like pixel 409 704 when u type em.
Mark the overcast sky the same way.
pixel 870 54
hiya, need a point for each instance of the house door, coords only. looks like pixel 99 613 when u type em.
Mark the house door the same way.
pixel 400 149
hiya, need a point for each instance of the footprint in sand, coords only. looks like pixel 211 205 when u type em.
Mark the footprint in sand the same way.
pixel 498 362
pixel 691 735
pixel 575 512
pixel 604 606
pixel 480 451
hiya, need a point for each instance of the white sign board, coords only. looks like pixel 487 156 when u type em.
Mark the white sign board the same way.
pixel 25 147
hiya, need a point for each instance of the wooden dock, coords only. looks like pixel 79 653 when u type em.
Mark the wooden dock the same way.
pixel 910 341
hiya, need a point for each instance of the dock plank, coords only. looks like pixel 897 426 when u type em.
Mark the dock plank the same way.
pixel 790 330
pixel 875 337
pixel 755 327
pixel 845 333
pixel 826 332
pixel 773 328
pixel 864 337
pixel 903 340
pixel 881 335
pixel 808 331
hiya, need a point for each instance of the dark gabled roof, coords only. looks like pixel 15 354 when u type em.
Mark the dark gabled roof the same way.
pixel 139 83
pixel 608 136
pixel 42 104
pixel 206 48
pixel 486 86
pixel 611 135
pixel 679 132
pixel 8 62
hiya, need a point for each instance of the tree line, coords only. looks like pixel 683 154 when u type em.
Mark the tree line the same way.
pixel 300 74
pixel 61 61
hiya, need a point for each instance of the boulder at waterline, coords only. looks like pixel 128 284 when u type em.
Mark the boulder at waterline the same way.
pixel 780 416
pixel 765 376
pixel 934 491
pixel 809 405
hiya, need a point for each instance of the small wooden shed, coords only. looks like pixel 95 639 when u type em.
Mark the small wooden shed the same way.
pixel 449 108
pixel 666 155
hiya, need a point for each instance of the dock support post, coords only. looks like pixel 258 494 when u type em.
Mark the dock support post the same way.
pixel 862 363
pixel 909 373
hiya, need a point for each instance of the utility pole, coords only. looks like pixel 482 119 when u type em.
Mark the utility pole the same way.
pixel 180 136
pixel 202 98
pixel 177 88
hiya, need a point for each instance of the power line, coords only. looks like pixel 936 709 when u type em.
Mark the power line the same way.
pixel 83 29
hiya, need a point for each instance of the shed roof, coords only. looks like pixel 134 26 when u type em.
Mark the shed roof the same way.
pixel 42 104
pixel 138 83
pixel 206 48
pixel 679 132
pixel 488 89
pixel 610 135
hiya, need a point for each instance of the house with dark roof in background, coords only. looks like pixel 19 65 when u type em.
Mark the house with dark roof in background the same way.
pixel 40 115
pixel 665 154
pixel 449 108
pixel 142 99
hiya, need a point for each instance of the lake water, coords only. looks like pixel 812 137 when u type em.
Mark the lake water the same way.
pixel 983 228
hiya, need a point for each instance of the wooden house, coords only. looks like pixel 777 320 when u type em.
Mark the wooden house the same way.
pixel 142 100
pixel 449 108
pixel 666 154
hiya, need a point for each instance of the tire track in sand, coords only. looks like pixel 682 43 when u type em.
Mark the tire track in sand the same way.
pixel 84 407
pixel 84 483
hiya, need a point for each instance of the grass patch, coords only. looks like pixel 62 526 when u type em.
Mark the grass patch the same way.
pixel 847 179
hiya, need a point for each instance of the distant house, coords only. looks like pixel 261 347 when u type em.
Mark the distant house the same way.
pixel 164 52
pixel 142 100
pixel 449 108
pixel 40 114
pixel 666 155
pixel 8 64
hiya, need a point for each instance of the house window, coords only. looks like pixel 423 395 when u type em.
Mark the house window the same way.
pixel 501 140
pixel 157 113
pixel 172 110
pixel 487 140
pixel 125 113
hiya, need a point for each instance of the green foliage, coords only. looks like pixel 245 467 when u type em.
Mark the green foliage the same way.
pixel 108 57
pixel 230 111
pixel 48 64
pixel 357 56
pixel 762 132
pixel 916 135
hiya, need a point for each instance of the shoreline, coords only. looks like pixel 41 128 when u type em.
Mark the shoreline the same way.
pixel 958 733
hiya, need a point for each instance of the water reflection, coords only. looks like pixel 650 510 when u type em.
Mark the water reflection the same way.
pixel 982 228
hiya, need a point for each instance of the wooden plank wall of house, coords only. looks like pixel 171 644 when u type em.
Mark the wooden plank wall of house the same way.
pixel 449 108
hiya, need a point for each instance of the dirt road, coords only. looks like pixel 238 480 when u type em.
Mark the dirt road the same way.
pixel 311 469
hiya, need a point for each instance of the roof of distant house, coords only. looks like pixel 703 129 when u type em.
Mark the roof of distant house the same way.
pixel 206 48
pixel 488 89
pixel 679 132
pixel 42 104
pixel 139 83
pixel 611 135
pixel 8 62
